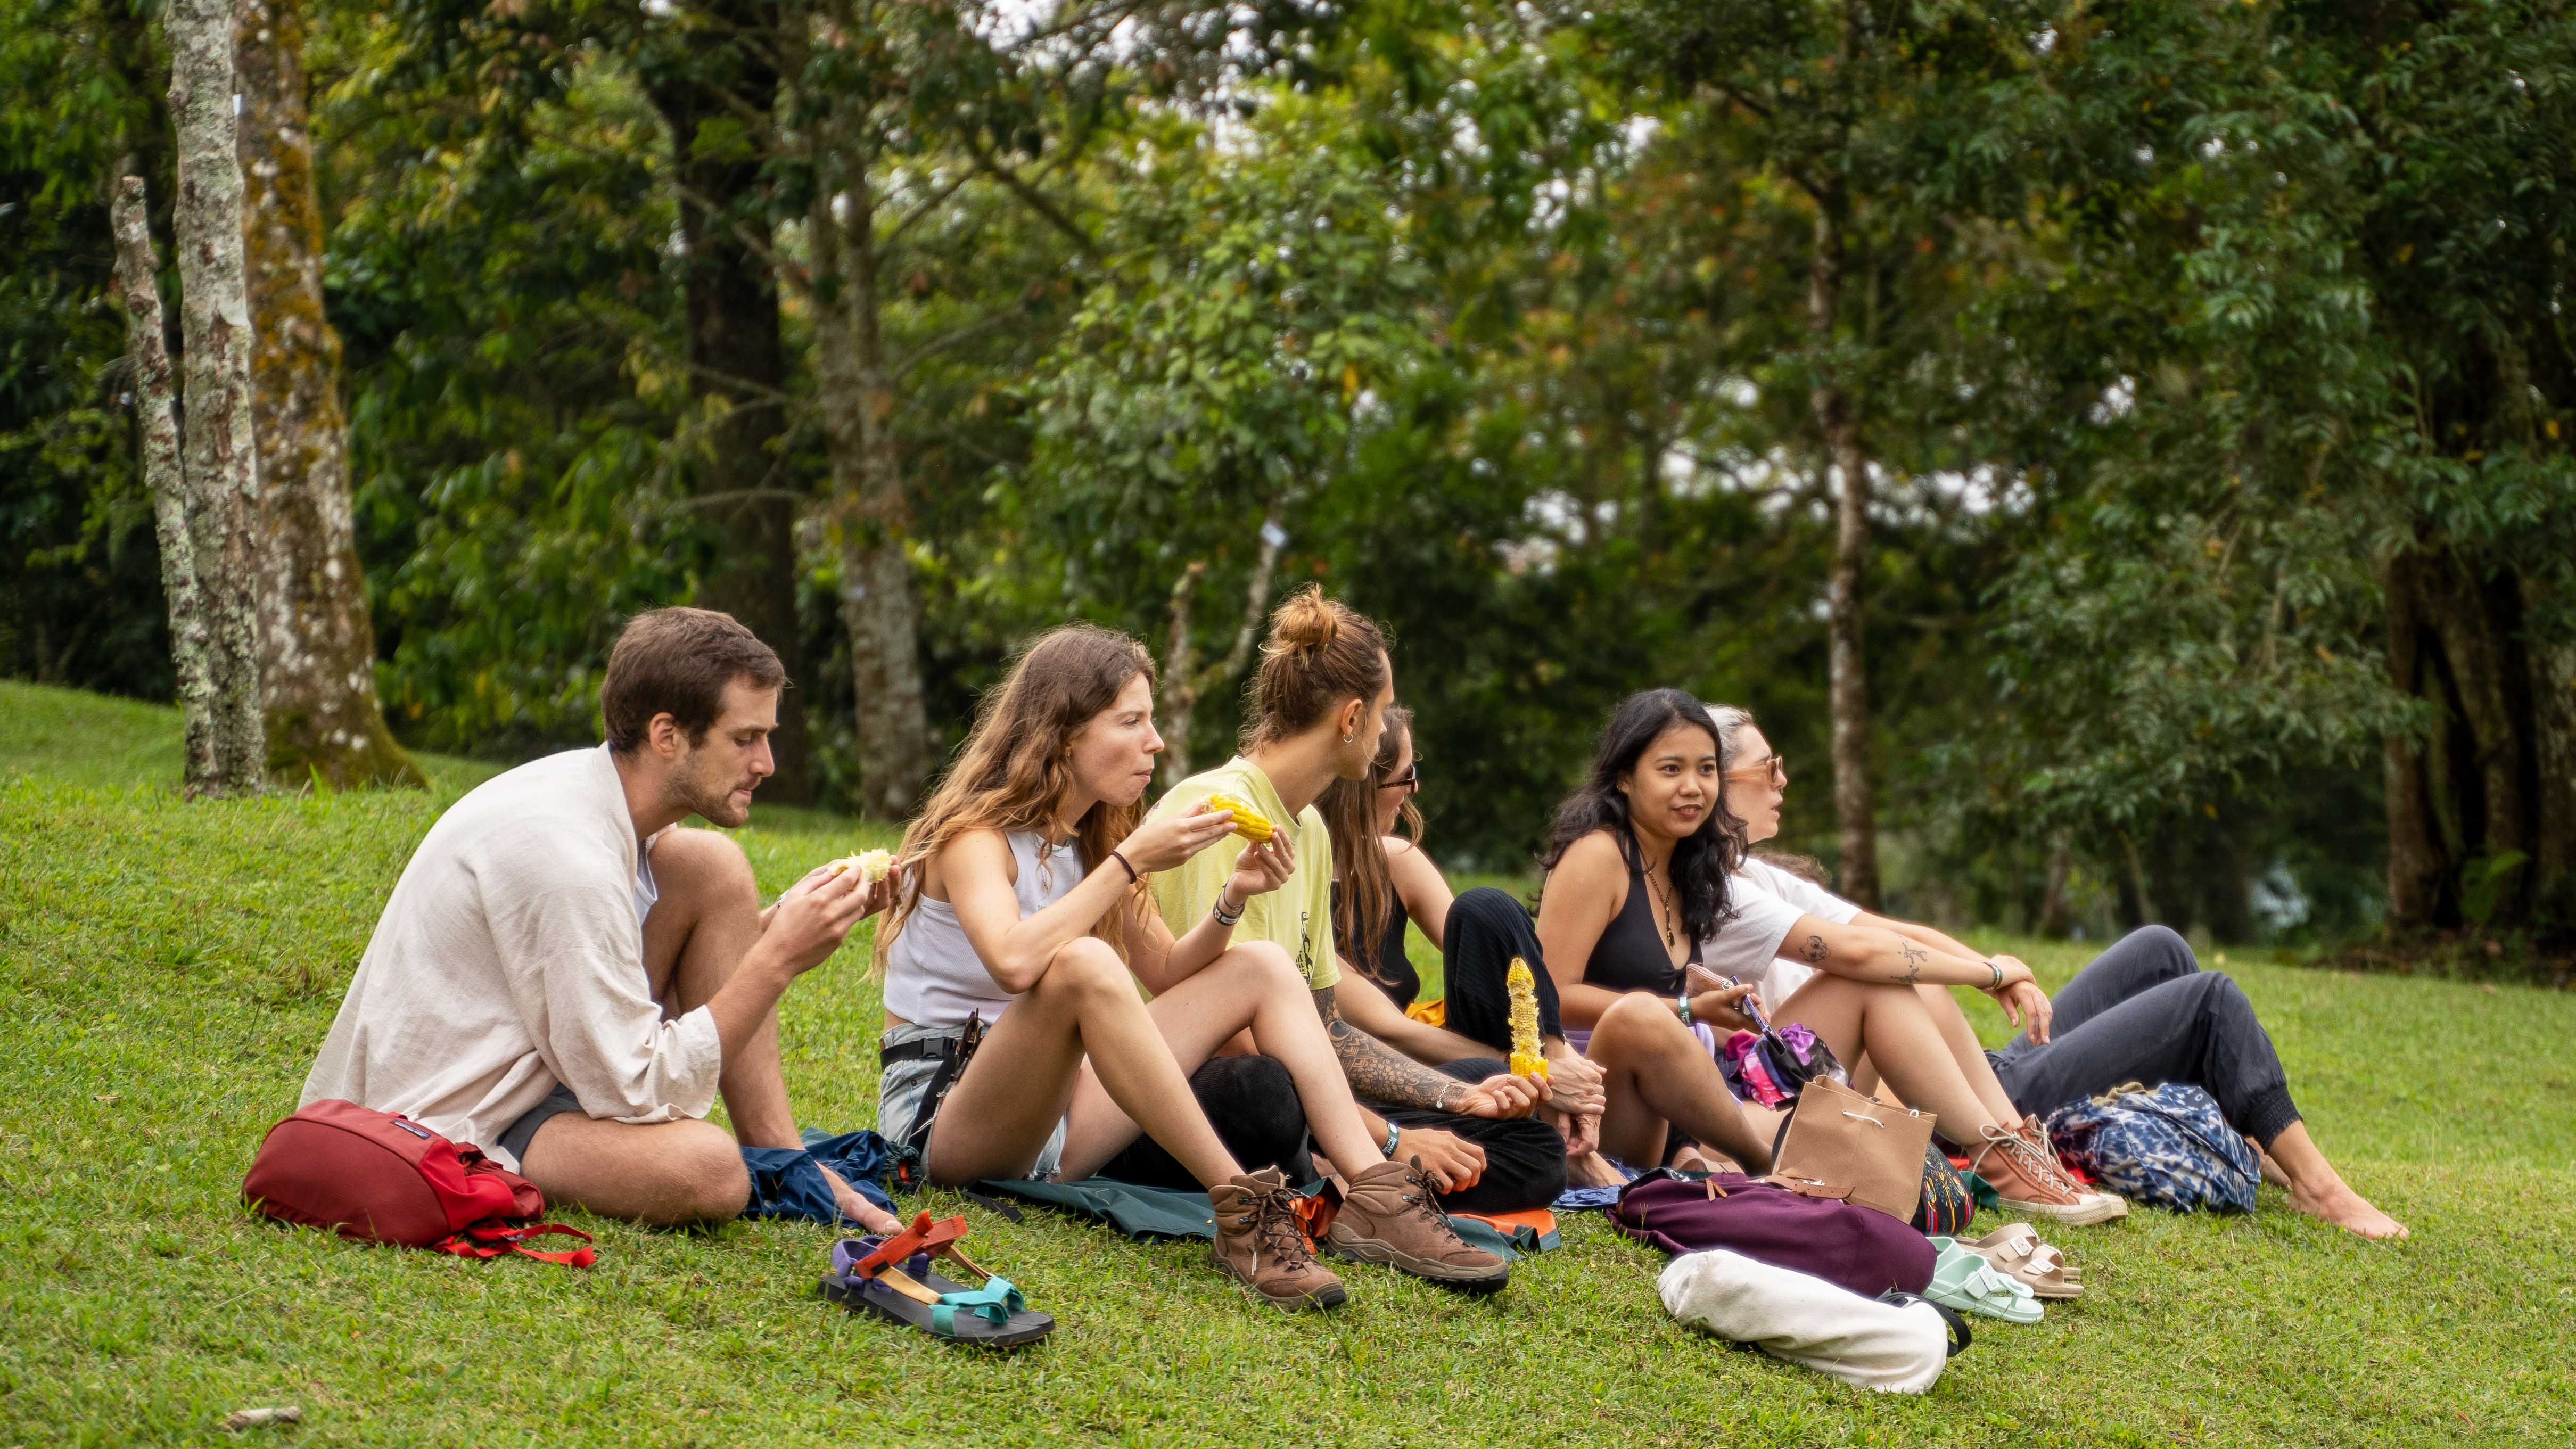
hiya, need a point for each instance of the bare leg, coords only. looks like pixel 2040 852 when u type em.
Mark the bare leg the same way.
pixel 666 1174
pixel 2319 1191
pixel 706 920
pixel 999 1114
pixel 1250 991
pixel 1893 1025
pixel 1655 1073
pixel 1943 1006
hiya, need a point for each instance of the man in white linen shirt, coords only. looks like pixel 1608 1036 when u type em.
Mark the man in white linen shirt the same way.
pixel 566 979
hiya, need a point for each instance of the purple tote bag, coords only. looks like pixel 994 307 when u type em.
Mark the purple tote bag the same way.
pixel 1860 1248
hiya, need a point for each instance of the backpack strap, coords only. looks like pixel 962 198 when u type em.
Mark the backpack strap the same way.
pixel 491 1240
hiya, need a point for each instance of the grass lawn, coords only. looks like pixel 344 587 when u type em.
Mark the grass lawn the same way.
pixel 169 969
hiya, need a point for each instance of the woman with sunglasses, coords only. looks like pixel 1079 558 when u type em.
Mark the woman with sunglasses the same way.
pixel 2142 1011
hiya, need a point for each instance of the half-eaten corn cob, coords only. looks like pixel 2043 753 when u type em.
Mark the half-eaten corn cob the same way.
pixel 1249 823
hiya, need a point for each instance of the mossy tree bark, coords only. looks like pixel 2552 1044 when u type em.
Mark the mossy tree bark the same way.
pixel 317 643
pixel 192 647
pixel 737 357
pixel 854 391
pixel 218 457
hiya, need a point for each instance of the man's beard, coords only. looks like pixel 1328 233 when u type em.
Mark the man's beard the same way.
pixel 709 794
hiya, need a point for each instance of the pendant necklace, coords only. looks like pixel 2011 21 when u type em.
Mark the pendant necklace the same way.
pixel 1664 901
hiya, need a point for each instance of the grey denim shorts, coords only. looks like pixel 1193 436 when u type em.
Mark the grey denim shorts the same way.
pixel 902 1087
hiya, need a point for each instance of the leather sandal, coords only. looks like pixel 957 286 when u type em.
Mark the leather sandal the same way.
pixel 2016 1251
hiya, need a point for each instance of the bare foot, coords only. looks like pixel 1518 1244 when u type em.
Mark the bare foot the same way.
pixel 2337 1203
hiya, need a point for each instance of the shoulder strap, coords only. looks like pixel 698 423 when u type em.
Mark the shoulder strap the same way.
pixel 491 1240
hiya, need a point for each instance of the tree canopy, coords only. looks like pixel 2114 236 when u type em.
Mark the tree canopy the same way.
pixel 2181 395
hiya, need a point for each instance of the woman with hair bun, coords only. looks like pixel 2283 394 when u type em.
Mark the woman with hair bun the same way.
pixel 1317 706
pixel 1022 907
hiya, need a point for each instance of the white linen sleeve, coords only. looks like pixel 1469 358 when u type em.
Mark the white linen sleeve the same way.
pixel 573 954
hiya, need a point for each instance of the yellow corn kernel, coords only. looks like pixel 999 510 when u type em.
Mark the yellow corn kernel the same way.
pixel 1524 993
pixel 1249 823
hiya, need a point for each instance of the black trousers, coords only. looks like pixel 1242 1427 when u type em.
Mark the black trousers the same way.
pixel 1252 1103
pixel 1485 930
pixel 2144 1011
pixel 1524 1157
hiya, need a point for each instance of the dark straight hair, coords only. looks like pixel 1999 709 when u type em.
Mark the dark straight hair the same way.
pixel 1703 859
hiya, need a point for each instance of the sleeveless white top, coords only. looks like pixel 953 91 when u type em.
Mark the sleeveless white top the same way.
pixel 934 978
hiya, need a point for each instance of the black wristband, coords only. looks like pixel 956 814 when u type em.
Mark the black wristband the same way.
pixel 1130 867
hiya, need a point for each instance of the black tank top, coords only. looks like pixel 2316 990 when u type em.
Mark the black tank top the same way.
pixel 1630 956
pixel 1387 965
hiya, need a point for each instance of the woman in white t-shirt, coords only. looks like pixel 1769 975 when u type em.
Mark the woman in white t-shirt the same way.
pixel 2142 1011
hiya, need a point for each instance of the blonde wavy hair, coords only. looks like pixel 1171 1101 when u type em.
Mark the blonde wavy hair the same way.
pixel 1016 765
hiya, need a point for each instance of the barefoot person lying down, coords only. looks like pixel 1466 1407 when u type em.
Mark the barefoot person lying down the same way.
pixel 1023 909
pixel 2142 1011
pixel 565 978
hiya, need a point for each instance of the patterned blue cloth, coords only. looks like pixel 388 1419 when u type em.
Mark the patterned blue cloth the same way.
pixel 1577 1199
pixel 788 1182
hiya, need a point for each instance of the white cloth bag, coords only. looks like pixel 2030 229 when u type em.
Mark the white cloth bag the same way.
pixel 1808 1321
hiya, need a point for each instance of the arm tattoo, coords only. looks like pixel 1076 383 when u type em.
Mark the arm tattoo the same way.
pixel 1914 957
pixel 1377 1072
pixel 1814 951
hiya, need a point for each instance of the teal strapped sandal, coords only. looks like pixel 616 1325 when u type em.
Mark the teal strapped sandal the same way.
pixel 891 1278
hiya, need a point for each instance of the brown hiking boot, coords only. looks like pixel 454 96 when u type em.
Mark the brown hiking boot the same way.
pixel 1260 1245
pixel 1388 1217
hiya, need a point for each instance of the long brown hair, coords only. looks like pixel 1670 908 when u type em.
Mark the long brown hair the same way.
pixel 1320 651
pixel 1014 766
pixel 1367 895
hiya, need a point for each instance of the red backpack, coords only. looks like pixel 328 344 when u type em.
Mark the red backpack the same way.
pixel 383 1178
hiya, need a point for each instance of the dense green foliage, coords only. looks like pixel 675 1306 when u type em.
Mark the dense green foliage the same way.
pixel 170 967
pixel 2201 351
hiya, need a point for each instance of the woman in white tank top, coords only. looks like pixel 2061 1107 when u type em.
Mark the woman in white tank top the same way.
pixel 1022 904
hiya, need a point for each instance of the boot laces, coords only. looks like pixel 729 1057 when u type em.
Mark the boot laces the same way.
pixel 1275 1227
pixel 1420 1183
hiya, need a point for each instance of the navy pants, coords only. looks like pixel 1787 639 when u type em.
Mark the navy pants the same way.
pixel 2144 1011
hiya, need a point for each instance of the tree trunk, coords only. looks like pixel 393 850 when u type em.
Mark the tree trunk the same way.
pixel 317 644
pixel 2131 877
pixel 1184 683
pixel 878 607
pixel 1855 811
pixel 2482 811
pixel 1180 677
pixel 2056 917
pixel 2419 876
pixel 217 444
pixel 738 362
pixel 2553 720
pixel 192 648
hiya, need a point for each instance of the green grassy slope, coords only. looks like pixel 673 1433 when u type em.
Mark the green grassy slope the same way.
pixel 168 969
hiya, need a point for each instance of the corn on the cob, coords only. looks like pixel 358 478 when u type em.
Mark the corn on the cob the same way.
pixel 871 865
pixel 1524 993
pixel 1249 823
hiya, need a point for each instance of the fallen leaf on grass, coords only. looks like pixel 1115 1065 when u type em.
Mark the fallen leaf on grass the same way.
pixel 240 1419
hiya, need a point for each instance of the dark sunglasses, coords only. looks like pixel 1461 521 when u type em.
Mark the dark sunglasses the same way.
pixel 1409 780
